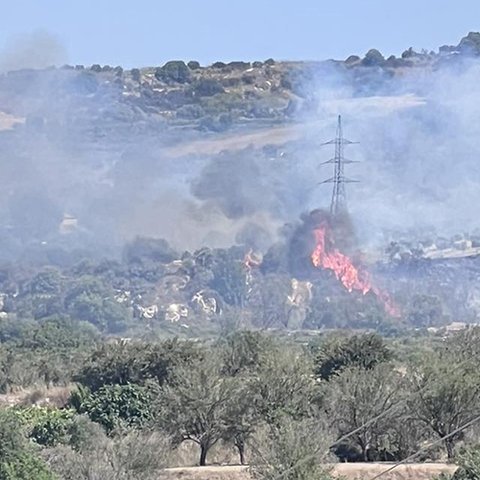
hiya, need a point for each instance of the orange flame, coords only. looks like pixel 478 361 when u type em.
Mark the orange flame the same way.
pixel 344 270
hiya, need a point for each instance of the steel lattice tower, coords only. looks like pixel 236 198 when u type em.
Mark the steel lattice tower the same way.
pixel 339 198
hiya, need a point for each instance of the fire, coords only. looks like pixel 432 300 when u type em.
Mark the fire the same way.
pixel 325 255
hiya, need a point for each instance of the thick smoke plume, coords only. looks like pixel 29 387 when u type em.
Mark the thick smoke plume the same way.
pixel 72 145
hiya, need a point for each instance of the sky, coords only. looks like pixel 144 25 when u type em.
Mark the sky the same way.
pixel 147 32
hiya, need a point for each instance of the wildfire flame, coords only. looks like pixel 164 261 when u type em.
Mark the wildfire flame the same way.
pixel 325 255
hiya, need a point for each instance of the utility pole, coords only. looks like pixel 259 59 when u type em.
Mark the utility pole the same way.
pixel 338 204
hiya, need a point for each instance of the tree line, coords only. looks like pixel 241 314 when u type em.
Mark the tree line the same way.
pixel 281 405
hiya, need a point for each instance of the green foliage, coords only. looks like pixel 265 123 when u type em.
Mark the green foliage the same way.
pixel 25 466
pixel 118 406
pixel 17 459
pixel 136 74
pixel 283 384
pixel 241 351
pixel 12 435
pixel 90 300
pixel 207 87
pixel 193 65
pixel 426 311
pixel 196 404
pixel 134 456
pixel 59 332
pixel 365 351
pixel 470 44
pixel 135 362
pixel 46 426
pixel 444 395
pixel 469 464
pixel 357 396
pixel 47 282
pixel 173 71
pixel 295 450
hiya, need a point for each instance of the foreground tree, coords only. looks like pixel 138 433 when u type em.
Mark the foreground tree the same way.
pixel 356 396
pixel 365 351
pixel 445 395
pixel 18 459
pixel 284 384
pixel 294 450
pixel 196 404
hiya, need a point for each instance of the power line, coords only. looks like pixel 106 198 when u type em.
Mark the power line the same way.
pixel 427 447
pixel 340 440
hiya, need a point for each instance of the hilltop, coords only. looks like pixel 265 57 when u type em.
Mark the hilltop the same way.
pixel 179 97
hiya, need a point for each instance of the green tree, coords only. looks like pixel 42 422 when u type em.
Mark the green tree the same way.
pixel 25 466
pixel 117 406
pixel 173 71
pixel 135 362
pixel 356 396
pixel 196 403
pixel 89 299
pixel 294 450
pixel 284 384
pixel 468 464
pixel 18 460
pixel 444 395
pixel 241 351
pixel 46 426
pixel 365 351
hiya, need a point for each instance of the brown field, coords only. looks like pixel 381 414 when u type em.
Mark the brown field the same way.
pixel 348 471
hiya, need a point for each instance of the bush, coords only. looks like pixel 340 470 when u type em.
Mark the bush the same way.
pixel 207 87
pixel 291 450
pixel 173 71
pixel 193 65
pixel 365 351
pixel 469 464
pixel 136 75
pixel 135 362
pixel 373 58
pixel 25 466
pixel 118 406
pixel 46 426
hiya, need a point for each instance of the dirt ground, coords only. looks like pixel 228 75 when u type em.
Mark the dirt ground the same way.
pixel 349 471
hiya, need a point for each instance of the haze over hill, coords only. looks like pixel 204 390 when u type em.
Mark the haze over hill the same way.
pixel 93 156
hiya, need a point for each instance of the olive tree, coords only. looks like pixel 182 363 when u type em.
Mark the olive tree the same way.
pixel 294 450
pixel 357 396
pixel 196 404
pixel 444 395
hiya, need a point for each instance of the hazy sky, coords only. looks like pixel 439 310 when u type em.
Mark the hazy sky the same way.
pixel 148 32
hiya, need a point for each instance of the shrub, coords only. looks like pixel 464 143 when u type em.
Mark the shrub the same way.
pixel 207 87
pixel 373 58
pixel 136 75
pixel 173 71
pixel 193 65
pixel 118 406
pixel 25 466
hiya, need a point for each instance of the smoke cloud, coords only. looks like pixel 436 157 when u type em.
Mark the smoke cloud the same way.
pixel 79 149
pixel 39 49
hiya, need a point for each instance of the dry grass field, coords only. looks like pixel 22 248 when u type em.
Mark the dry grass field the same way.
pixel 348 471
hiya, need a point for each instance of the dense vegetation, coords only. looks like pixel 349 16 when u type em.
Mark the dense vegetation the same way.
pixel 134 405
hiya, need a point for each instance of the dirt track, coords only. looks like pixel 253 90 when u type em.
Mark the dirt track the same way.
pixel 349 471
